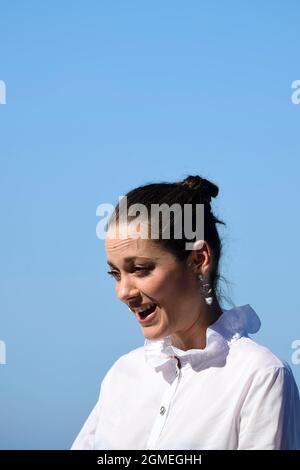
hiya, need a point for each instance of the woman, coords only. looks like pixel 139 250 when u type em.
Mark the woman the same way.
pixel 199 381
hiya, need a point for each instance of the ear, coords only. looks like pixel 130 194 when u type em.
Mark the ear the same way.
pixel 200 257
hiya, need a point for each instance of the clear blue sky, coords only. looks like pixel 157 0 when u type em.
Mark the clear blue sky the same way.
pixel 103 96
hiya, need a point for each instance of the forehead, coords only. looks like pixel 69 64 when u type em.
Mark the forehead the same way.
pixel 119 247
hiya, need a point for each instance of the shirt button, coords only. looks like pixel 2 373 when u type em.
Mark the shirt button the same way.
pixel 162 410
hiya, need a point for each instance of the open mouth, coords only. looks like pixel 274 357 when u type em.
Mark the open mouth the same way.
pixel 146 313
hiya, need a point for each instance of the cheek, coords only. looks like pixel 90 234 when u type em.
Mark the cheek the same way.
pixel 168 287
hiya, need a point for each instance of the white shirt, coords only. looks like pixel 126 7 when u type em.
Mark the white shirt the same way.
pixel 233 394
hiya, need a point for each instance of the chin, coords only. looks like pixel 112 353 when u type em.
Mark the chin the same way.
pixel 153 332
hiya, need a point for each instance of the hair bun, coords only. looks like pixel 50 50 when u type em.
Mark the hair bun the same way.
pixel 207 189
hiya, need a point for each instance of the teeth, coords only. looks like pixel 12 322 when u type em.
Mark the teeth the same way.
pixel 144 309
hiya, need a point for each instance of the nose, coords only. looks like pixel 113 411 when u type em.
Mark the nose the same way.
pixel 126 290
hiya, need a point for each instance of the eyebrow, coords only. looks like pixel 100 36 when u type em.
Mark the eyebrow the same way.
pixel 132 258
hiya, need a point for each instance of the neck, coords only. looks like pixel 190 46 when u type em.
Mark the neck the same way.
pixel 194 336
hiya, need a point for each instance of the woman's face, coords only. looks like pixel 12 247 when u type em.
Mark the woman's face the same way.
pixel 148 276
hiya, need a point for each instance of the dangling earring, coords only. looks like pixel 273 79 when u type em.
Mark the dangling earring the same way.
pixel 206 289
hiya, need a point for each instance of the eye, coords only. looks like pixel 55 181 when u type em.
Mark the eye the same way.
pixel 141 269
pixel 114 274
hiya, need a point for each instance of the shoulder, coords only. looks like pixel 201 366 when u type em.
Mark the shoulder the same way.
pixel 130 364
pixel 254 355
pixel 131 358
pixel 257 362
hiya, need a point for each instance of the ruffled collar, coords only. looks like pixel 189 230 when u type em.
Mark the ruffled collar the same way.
pixel 230 326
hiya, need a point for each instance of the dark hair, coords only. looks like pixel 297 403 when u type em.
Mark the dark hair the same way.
pixel 192 190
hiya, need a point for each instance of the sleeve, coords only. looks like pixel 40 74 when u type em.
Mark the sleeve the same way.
pixel 270 414
pixel 86 437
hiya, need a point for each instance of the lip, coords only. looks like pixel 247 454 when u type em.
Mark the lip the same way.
pixel 148 319
pixel 135 308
